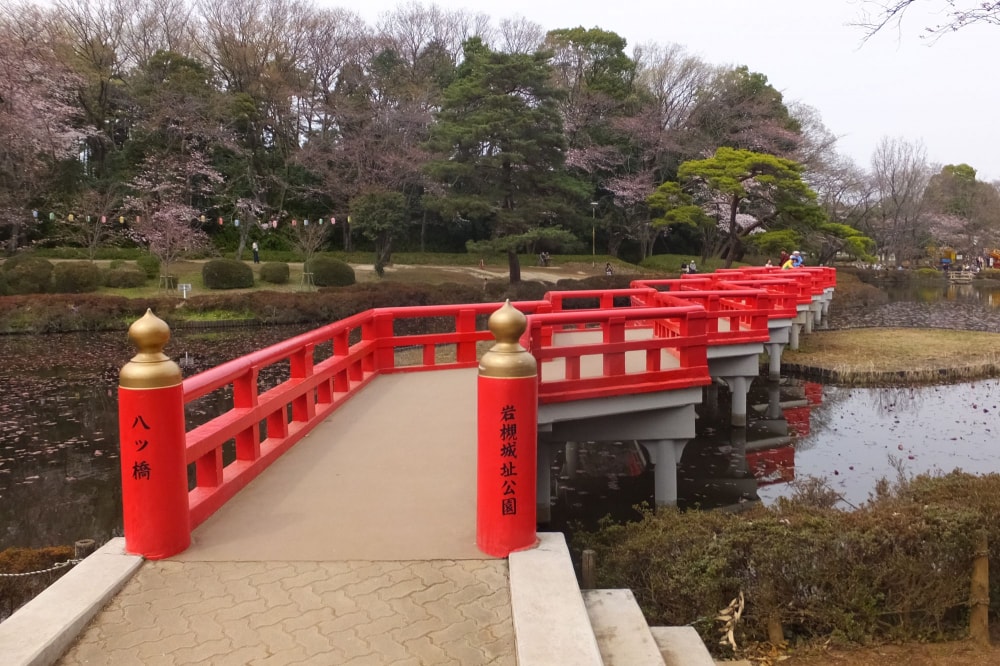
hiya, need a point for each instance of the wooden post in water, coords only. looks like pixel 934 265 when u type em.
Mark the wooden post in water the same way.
pixel 979 592
pixel 589 569
pixel 82 548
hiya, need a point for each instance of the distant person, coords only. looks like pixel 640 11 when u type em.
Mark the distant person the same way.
pixel 608 270
pixel 796 259
pixel 768 264
pixel 783 258
pixel 692 268
pixel 256 252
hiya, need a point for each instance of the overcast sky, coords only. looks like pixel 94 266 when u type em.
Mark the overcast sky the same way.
pixel 945 94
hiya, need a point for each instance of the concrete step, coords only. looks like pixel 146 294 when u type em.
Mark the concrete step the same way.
pixel 681 646
pixel 550 619
pixel 621 630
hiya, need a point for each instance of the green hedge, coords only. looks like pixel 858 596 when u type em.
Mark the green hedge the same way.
pixel 227 274
pixel 76 277
pixel 329 272
pixel 275 272
pixel 27 274
pixel 124 278
pixel 149 264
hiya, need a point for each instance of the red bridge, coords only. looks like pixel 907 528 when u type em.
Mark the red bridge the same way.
pixel 362 541
pixel 602 354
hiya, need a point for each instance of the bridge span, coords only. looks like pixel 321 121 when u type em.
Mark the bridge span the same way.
pixel 359 543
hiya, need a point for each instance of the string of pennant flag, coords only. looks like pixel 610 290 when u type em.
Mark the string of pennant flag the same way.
pixel 273 223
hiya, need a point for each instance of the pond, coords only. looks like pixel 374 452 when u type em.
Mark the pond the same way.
pixel 59 476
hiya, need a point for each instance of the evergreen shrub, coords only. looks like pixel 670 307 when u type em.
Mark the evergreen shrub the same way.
pixel 227 274
pixel 897 568
pixel 329 272
pixel 26 274
pixel 124 278
pixel 275 272
pixel 149 264
pixel 75 277
pixel 116 264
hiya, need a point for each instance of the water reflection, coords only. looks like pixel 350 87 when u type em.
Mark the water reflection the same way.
pixel 798 430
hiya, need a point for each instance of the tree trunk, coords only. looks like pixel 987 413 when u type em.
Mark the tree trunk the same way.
pixel 423 232
pixel 514 266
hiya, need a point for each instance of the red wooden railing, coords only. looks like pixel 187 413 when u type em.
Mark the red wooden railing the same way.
pixel 323 368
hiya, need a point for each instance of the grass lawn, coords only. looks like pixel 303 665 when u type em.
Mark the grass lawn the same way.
pixel 875 355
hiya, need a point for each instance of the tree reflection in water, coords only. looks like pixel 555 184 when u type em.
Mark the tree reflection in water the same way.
pixel 59 474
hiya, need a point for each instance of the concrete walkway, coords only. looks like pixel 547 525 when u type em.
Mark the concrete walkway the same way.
pixel 356 547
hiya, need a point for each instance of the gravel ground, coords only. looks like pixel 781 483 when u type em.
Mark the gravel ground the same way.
pixel 941 314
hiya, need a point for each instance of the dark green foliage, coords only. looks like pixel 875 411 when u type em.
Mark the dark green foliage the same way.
pixel 26 274
pixel 227 274
pixel 898 568
pixel 274 272
pixel 75 277
pixel 330 272
pixel 124 278
pixel 149 264
pixel 500 290
pixel 115 264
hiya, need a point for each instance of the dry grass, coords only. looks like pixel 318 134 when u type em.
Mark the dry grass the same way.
pixel 872 356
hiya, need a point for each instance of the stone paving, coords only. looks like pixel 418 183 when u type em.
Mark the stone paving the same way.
pixel 321 613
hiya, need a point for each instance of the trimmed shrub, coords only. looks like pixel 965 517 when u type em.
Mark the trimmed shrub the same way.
pixel 75 277
pixel 149 265
pixel 26 274
pixel 125 278
pixel 116 264
pixel 329 272
pixel 227 274
pixel 274 272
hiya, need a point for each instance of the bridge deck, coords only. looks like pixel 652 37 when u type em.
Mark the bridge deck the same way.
pixel 391 475
pixel 356 546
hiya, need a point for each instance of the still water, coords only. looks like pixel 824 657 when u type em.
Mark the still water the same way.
pixel 59 468
pixel 59 475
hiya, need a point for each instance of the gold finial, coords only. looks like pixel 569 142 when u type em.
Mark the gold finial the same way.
pixel 507 358
pixel 150 368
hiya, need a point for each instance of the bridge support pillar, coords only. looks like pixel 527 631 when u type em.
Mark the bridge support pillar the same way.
pixel 711 401
pixel 543 476
pixel 793 336
pixel 665 455
pixel 738 388
pixel 807 323
pixel 774 350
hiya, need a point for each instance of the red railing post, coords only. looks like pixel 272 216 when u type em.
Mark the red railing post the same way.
pixel 152 439
pixel 506 466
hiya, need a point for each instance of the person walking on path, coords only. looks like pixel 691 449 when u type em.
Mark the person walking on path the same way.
pixel 608 270
pixel 256 252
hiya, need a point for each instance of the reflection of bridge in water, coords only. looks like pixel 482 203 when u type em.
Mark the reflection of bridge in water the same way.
pixel 372 461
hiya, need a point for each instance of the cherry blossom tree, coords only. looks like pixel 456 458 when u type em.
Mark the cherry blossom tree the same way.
pixel 38 117
pixel 166 221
